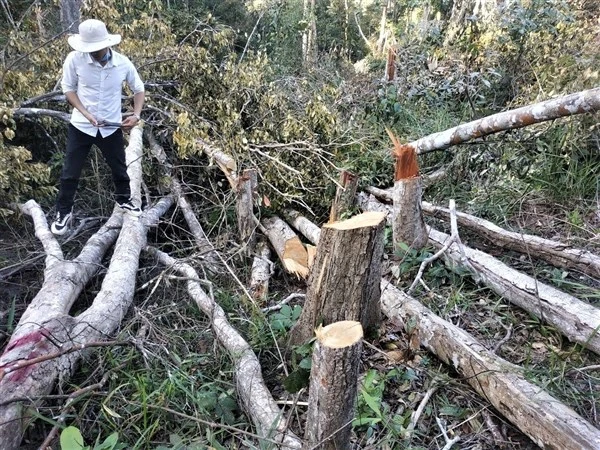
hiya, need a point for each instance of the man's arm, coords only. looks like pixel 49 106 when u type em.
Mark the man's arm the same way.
pixel 138 104
pixel 73 99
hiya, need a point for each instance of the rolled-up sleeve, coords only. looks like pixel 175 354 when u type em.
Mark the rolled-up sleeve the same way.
pixel 69 76
pixel 133 79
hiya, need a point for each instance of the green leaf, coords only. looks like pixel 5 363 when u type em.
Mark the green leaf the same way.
pixel 371 402
pixel 306 363
pixel 109 443
pixel 286 311
pixel 296 380
pixel 71 439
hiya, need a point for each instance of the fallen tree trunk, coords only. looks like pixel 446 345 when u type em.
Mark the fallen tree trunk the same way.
pixel 548 422
pixel 207 251
pixel 47 323
pixel 303 225
pixel 260 273
pixel 255 397
pixel 555 253
pixel 287 245
pixel 344 281
pixel 333 386
pixel 577 320
pixel 568 105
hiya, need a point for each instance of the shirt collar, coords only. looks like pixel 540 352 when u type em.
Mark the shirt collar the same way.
pixel 113 61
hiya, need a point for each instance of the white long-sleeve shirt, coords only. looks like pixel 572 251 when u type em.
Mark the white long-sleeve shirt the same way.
pixel 99 88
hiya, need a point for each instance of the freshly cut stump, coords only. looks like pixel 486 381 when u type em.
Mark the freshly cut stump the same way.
pixel 333 385
pixel 344 280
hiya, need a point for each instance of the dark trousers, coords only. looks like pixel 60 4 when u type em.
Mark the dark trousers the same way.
pixel 78 148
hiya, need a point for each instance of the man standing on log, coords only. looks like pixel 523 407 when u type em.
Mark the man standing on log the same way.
pixel 92 81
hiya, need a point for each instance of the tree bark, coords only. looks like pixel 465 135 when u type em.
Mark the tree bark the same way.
pixel 70 15
pixel 207 251
pixel 287 245
pixel 548 422
pixel 578 103
pixel 303 225
pixel 46 323
pixel 344 280
pixel 225 162
pixel 408 226
pixel 246 190
pixel 344 196
pixel 260 273
pixel 556 253
pixel 333 386
pixel 577 320
pixel 255 398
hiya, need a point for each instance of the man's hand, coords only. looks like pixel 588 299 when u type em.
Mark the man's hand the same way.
pixel 130 122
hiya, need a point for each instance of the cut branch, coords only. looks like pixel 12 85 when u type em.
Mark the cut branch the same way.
pixel 260 274
pixel 556 253
pixel 577 320
pixel 548 422
pixel 578 103
pixel 246 192
pixel 254 395
pixel 287 245
pixel 303 225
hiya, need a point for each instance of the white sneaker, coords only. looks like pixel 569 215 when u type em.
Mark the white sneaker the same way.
pixel 130 208
pixel 61 223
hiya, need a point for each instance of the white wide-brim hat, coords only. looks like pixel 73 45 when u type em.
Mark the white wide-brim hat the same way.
pixel 92 37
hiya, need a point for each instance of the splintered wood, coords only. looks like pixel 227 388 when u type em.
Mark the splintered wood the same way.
pixel 408 226
pixel 287 245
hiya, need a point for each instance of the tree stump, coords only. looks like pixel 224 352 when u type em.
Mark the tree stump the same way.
pixel 344 280
pixel 408 226
pixel 344 196
pixel 333 386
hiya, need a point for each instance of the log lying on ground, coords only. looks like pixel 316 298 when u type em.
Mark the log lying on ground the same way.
pixel 207 251
pixel 253 393
pixel 548 422
pixel 344 196
pixel 260 273
pixel 287 245
pixel 333 385
pixel 555 253
pixel 225 162
pixel 577 320
pixel 246 191
pixel 47 323
pixel 408 226
pixel 303 225
pixel 578 103
pixel 344 280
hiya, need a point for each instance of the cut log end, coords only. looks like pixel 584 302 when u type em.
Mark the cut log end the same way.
pixel 368 219
pixel 341 334
pixel 295 257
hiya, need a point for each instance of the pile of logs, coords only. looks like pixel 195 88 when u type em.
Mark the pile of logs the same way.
pixel 346 295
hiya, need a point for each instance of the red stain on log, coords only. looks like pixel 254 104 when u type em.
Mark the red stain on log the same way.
pixel 34 339
pixel 31 338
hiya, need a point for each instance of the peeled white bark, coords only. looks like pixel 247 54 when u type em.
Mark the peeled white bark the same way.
pixel 253 393
pixel 260 273
pixel 303 225
pixel 556 253
pixel 577 320
pixel 568 105
pixel 47 321
pixel 548 422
